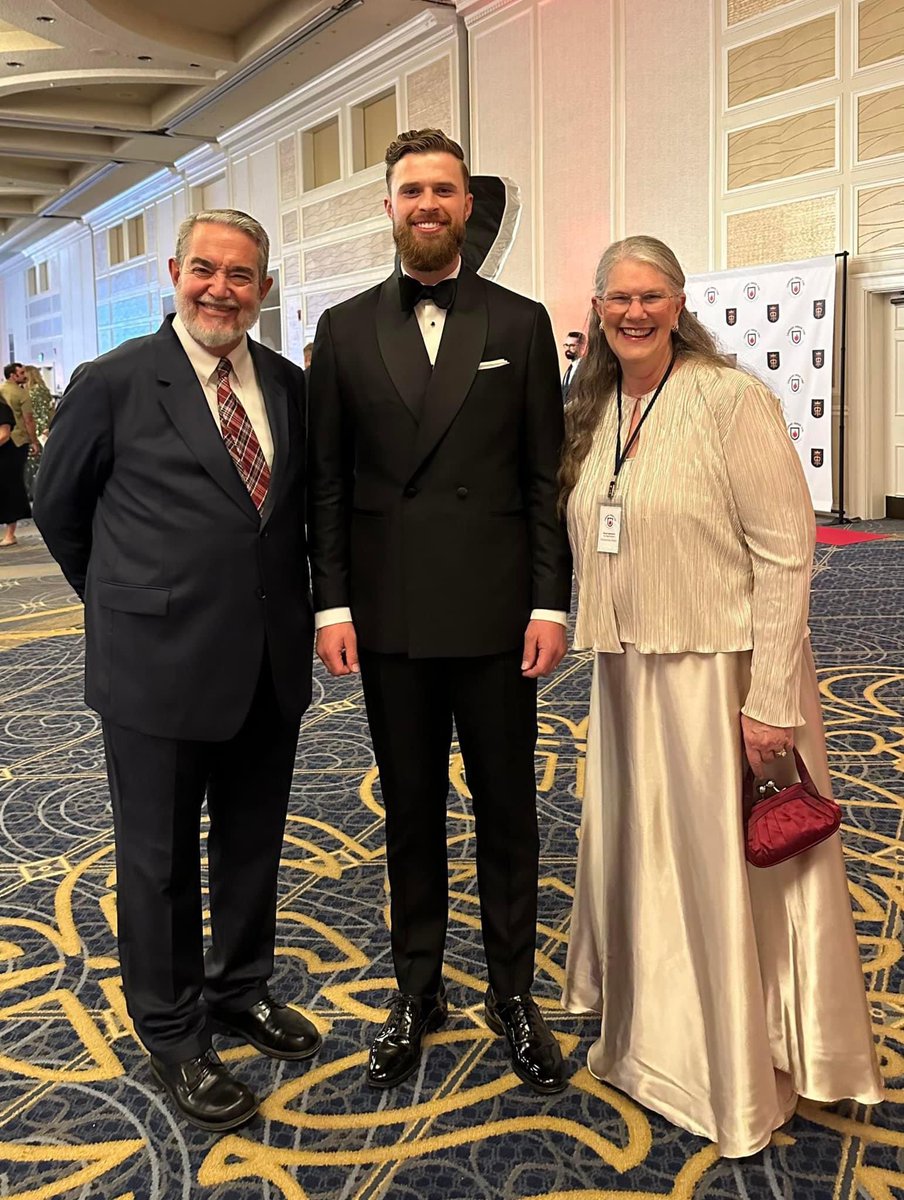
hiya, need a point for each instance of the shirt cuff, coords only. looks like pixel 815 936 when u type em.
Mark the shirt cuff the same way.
pixel 331 616
pixel 549 614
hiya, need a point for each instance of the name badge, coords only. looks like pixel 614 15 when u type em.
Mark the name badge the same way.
pixel 609 528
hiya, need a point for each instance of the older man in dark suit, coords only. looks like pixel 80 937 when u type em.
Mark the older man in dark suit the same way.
pixel 172 495
pixel 439 562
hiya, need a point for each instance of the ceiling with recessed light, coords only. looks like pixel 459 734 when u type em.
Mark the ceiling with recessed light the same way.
pixel 138 83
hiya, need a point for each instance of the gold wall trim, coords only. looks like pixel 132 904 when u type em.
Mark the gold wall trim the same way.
pixel 782 232
pixel 782 149
pixel 359 204
pixel 743 10
pixel 790 59
pixel 369 252
pixel 881 31
pixel 880 218
pixel 880 124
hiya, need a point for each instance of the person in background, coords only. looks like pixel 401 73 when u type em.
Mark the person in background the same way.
pixel 40 399
pixel 440 565
pixel 574 346
pixel 726 991
pixel 14 506
pixel 308 351
pixel 172 495
pixel 22 441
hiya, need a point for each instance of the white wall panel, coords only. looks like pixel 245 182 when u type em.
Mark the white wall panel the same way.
pixel 668 70
pixel 503 123
pixel 574 49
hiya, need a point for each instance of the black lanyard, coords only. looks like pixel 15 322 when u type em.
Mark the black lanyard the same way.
pixel 619 455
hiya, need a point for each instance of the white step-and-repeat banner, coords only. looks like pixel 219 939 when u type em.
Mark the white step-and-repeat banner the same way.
pixel 779 321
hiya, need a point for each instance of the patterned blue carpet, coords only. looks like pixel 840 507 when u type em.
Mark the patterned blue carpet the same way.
pixel 78 1115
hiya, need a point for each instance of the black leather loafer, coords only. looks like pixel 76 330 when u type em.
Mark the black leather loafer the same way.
pixel 536 1057
pixel 274 1029
pixel 205 1093
pixel 396 1050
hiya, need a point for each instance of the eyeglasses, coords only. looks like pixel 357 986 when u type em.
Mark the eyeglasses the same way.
pixel 651 302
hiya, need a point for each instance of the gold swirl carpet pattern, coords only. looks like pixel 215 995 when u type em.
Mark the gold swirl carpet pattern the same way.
pixel 78 1114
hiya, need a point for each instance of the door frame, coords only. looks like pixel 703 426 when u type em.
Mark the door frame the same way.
pixel 871 279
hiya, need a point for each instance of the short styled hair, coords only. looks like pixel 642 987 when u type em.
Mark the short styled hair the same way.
pixel 225 216
pixel 10 369
pixel 423 141
pixel 577 335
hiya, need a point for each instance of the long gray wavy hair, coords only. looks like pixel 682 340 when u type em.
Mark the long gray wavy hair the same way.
pixel 595 382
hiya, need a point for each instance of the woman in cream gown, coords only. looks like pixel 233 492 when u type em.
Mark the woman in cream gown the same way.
pixel 726 991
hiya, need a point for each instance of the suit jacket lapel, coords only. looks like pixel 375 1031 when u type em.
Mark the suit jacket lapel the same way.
pixel 184 401
pixel 402 347
pixel 276 401
pixel 463 341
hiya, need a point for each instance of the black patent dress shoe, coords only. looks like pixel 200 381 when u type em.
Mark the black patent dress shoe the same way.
pixel 205 1093
pixel 274 1029
pixel 396 1050
pixel 536 1057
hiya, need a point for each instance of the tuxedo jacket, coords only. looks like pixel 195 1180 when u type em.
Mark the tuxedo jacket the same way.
pixel 432 503
pixel 184 582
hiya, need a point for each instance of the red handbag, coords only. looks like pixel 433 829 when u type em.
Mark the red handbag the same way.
pixel 787 821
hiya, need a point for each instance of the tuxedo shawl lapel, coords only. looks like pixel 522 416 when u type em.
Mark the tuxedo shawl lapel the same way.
pixel 463 341
pixel 183 399
pixel 402 347
pixel 276 401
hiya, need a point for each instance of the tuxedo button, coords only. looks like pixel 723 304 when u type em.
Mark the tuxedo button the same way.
pixel 410 492
pixel 261 594
pixel 461 493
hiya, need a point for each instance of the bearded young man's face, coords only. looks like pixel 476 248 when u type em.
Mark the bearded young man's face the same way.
pixel 428 205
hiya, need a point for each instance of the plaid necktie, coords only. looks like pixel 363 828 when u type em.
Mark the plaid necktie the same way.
pixel 240 438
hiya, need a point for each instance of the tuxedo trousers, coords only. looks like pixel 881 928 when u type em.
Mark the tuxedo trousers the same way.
pixel 158 787
pixel 411 705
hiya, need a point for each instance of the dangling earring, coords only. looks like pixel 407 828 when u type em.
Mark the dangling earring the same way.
pixel 602 327
pixel 674 329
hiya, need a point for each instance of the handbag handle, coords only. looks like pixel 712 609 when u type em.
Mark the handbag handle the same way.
pixel 750 780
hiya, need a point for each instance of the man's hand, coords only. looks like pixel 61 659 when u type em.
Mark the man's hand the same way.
pixel 544 648
pixel 337 648
pixel 764 743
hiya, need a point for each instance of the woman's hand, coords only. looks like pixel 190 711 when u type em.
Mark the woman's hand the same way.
pixel 763 743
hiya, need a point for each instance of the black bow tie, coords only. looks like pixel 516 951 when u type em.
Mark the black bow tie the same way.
pixel 412 292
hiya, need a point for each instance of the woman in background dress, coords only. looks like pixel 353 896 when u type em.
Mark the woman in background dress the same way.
pixel 725 991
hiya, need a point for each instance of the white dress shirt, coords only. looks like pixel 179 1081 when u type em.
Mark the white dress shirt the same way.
pixel 431 321
pixel 242 380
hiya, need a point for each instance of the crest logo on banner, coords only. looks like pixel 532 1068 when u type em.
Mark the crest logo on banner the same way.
pixel 768 318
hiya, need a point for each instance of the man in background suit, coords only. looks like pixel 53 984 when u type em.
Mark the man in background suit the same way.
pixel 172 495
pixel 439 562
pixel 574 345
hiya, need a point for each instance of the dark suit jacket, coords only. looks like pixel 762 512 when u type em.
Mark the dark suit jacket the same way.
pixel 432 503
pixel 140 504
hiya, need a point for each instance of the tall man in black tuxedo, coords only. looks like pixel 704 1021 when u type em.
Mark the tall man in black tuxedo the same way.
pixel 438 562
pixel 172 495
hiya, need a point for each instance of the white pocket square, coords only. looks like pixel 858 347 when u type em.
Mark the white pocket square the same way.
pixel 490 363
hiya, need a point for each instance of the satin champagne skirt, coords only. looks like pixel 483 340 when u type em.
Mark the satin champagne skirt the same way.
pixel 725 990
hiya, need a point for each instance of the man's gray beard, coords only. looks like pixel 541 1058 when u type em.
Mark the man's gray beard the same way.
pixel 211 338
pixel 432 255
